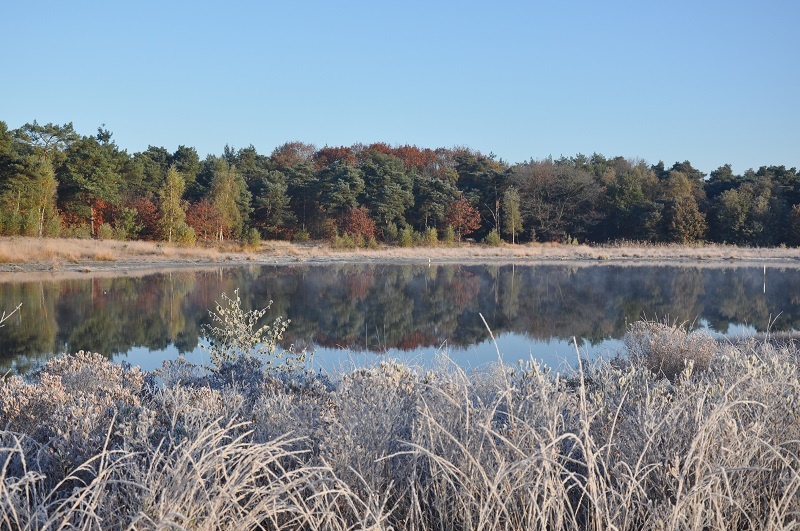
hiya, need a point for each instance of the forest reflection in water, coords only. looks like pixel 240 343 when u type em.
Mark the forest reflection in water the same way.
pixel 412 309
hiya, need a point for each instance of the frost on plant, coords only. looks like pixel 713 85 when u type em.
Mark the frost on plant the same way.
pixel 234 333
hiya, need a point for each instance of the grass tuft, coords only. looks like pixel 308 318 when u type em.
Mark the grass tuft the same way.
pixel 614 445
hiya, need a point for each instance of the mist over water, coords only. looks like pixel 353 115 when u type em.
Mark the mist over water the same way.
pixel 353 313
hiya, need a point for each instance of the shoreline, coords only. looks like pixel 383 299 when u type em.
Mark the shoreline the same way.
pixel 23 259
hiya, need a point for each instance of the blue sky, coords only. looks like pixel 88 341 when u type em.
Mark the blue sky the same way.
pixel 706 81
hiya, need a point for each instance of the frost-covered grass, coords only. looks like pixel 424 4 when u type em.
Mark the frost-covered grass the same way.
pixel 615 445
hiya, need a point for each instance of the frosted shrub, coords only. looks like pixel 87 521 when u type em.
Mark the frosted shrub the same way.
pixel 612 445
pixel 234 333
pixel 666 349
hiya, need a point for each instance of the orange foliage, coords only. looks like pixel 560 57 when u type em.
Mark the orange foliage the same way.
pixel 328 155
pixel 356 222
pixel 413 157
pixel 463 217
pixel 292 153
pixel 204 218
pixel 146 215
pixel 381 147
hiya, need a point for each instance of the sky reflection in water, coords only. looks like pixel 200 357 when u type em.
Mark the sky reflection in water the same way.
pixel 351 313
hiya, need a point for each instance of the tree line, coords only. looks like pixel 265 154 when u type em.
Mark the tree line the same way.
pixel 56 182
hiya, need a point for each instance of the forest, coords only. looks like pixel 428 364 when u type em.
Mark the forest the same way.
pixel 56 182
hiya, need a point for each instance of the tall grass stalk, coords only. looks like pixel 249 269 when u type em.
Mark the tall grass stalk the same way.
pixel 617 444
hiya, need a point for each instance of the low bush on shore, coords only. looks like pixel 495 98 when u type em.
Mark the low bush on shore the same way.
pixel 629 443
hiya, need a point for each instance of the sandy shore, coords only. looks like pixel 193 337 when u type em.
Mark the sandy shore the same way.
pixel 25 258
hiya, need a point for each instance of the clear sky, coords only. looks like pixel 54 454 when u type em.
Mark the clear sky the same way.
pixel 712 82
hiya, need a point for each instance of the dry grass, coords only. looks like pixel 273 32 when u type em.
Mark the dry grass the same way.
pixel 87 444
pixel 21 250
pixel 34 254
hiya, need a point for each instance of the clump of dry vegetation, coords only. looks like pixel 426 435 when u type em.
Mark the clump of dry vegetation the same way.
pixel 666 349
pixel 614 445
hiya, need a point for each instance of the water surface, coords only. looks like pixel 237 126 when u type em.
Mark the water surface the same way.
pixel 356 312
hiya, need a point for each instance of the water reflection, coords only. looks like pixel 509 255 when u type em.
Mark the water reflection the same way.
pixel 397 308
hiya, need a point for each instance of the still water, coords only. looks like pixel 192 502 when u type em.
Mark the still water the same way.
pixel 353 313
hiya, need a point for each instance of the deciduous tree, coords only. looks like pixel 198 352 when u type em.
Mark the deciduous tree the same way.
pixel 172 220
pixel 463 217
pixel 512 217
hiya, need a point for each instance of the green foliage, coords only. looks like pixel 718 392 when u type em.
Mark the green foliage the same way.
pixel 30 198
pixel 90 176
pixel 512 216
pixel 230 198
pixel 50 175
pixel 449 235
pixel 388 188
pixel 185 235
pixel 253 239
pixel 493 239
pixel 105 232
pixel 302 236
pixel 430 237
pixel 390 233
pixel 271 202
pixel 431 197
pixel 83 232
pixel 345 241
pixel 235 333
pixel 126 226
pixel 406 238
pixel 172 221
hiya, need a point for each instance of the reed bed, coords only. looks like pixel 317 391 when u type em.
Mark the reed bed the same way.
pixel 711 443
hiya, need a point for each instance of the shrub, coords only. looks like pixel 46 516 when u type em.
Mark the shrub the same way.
pixel 449 235
pixel 430 237
pixel 611 445
pixel 82 231
pixel 184 235
pixel 234 333
pixel 105 232
pixel 667 349
pixel 126 226
pixel 345 241
pixel 390 233
pixel 406 237
pixel 253 238
pixel 301 236
pixel 493 239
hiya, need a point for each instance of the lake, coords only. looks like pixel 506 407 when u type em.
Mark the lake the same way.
pixel 353 313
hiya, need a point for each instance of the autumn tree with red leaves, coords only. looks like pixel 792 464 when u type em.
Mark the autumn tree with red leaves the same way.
pixel 146 215
pixel 328 155
pixel 463 217
pixel 204 218
pixel 356 222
